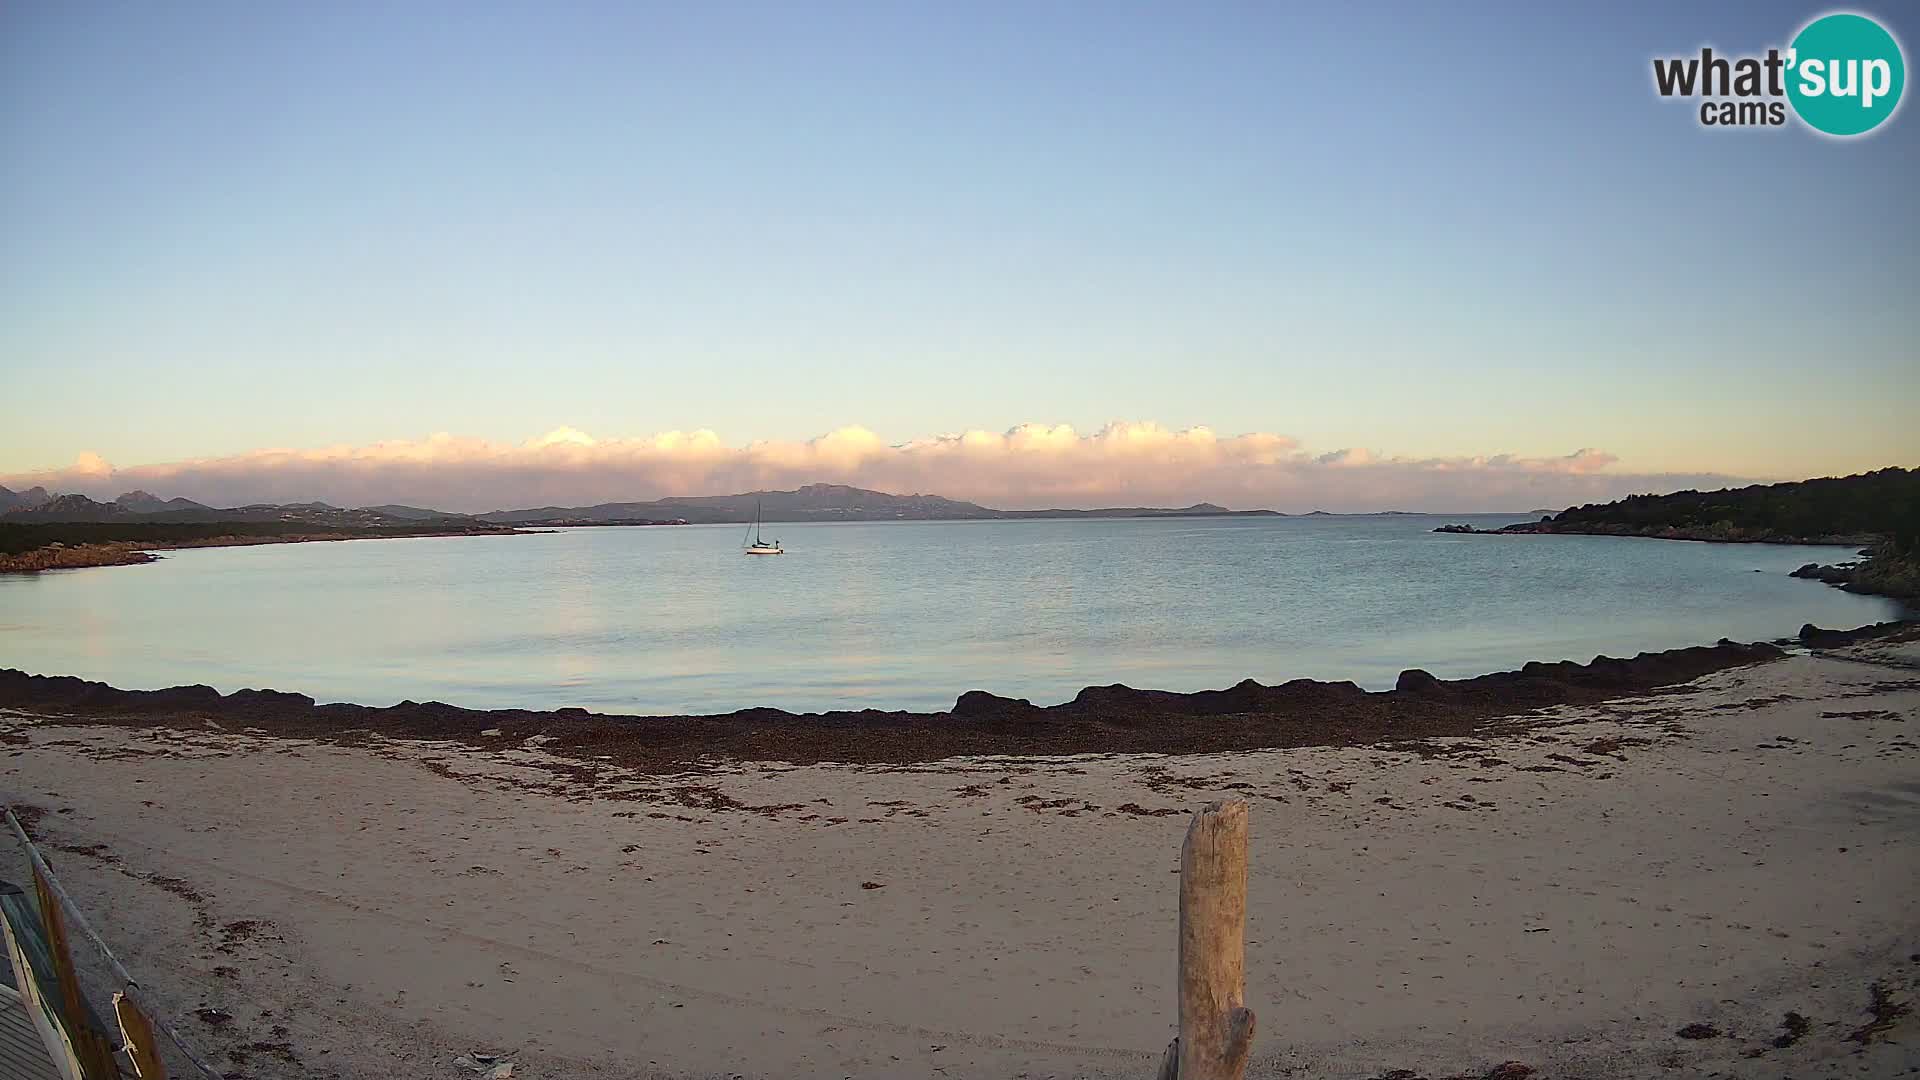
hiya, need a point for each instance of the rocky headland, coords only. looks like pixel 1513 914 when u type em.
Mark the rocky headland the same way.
pixel 1877 574
pixel 1877 511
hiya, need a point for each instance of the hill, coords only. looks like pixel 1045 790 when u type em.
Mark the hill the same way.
pixel 414 513
pixel 141 502
pixel 822 502
pixel 1880 505
pixel 12 500
pixel 67 509
pixel 1196 510
pixel 814 502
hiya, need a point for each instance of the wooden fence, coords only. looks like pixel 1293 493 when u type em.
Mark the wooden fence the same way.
pixel 39 947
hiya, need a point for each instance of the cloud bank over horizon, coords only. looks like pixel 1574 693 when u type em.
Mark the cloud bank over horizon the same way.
pixel 1026 467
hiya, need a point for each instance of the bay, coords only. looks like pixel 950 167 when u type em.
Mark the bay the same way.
pixel 897 614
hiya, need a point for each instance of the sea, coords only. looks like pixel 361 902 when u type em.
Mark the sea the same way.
pixel 898 615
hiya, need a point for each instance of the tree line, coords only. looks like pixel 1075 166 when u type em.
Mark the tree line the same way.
pixel 1883 503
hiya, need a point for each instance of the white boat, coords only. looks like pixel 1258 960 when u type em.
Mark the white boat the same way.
pixel 759 545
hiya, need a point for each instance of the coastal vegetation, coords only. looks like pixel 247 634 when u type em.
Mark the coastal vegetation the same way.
pixel 1878 511
pixel 1885 572
pixel 1877 506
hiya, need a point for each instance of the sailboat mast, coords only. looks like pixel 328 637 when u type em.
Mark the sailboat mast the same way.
pixel 758 544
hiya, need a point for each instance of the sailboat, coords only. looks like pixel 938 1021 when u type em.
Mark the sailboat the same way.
pixel 759 545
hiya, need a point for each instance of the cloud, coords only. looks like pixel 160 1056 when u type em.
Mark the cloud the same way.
pixel 1032 465
pixel 91 464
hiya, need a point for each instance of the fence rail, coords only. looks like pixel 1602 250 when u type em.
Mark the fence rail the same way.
pixel 55 986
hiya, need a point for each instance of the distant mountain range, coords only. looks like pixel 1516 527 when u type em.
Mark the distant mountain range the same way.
pixel 814 502
pixel 140 502
pixel 35 506
pixel 819 502
pixel 23 500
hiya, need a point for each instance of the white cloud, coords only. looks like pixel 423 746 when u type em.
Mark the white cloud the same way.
pixel 92 464
pixel 1032 465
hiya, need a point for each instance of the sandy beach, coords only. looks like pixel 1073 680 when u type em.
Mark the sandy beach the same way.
pixel 1567 889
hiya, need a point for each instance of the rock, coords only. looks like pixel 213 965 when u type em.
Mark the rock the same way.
pixel 1416 681
pixel 982 703
pixel 1814 637
pixel 279 702
pixel 196 696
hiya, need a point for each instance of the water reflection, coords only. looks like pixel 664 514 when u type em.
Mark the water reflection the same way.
pixel 894 615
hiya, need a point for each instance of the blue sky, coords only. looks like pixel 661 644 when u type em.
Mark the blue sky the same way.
pixel 1422 230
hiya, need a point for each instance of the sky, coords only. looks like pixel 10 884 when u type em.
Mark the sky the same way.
pixel 1446 255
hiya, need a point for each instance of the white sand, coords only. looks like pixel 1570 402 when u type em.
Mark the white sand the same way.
pixel 1438 914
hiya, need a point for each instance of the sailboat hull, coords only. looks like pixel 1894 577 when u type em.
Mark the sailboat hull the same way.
pixel 765 551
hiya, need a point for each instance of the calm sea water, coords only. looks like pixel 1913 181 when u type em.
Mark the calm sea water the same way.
pixel 896 614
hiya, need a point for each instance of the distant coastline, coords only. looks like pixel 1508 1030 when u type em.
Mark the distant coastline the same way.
pixel 813 502
pixel 1663 532
pixel 73 546
pixel 40 530
pixel 32 546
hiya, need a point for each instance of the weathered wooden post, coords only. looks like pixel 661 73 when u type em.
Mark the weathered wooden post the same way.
pixel 91 1049
pixel 1216 1028
pixel 55 985
pixel 137 1033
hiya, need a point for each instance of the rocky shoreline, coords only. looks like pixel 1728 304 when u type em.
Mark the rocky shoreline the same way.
pixel 1100 719
pixel 1875 575
pixel 1878 572
pixel 1548 527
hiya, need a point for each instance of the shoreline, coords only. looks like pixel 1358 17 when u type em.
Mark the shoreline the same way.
pixel 1689 883
pixel 1100 719
pixel 1873 573
pixel 1662 532
pixel 136 552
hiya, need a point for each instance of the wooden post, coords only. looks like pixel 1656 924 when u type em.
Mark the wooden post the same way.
pixel 90 1047
pixel 141 1046
pixel 1216 1028
pixel 53 911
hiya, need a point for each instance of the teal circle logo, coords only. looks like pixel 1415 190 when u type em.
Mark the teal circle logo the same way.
pixel 1845 74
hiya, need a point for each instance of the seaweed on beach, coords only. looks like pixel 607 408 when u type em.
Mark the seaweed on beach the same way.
pixel 1100 719
pixel 1885 1013
pixel 1793 1028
